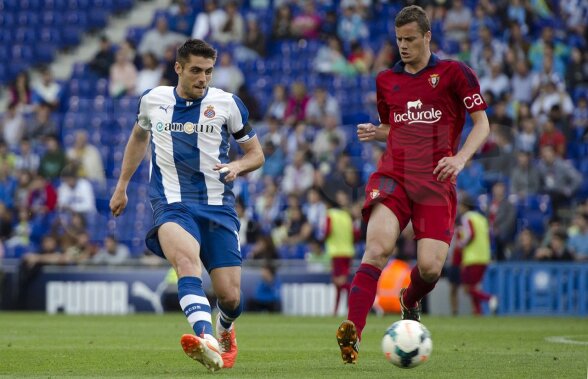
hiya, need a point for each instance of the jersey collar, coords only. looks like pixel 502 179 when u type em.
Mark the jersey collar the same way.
pixel 433 61
pixel 182 101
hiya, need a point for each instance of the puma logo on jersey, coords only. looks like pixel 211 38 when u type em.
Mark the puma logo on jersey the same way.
pixel 164 108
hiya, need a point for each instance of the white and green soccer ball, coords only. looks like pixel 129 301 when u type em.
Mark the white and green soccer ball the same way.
pixel 407 344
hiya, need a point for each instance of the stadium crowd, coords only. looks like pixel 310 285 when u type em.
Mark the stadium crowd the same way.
pixel 307 77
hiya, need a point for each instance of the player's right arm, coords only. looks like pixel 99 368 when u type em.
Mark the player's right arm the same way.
pixel 134 154
pixel 371 132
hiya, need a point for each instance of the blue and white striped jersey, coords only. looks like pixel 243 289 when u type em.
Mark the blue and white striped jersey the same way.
pixel 187 139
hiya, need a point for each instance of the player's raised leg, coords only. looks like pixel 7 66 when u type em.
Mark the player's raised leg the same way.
pixel 431 255
pixel 227 286
pixel 382 232
pixel 182 251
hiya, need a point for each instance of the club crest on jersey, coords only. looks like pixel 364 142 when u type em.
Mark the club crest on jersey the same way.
pixel 375 193
pixel 209 112
pixel 434 80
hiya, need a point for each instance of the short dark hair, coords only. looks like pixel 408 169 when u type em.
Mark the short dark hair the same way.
pixel 413 13
pixel 195 47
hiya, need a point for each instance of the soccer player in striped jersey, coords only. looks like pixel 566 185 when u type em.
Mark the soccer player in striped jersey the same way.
pixel 190 188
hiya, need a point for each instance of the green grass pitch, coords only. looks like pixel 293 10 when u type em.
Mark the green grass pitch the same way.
pixel 40 345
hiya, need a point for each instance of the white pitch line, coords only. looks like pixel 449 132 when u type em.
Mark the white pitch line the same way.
pixel 564 339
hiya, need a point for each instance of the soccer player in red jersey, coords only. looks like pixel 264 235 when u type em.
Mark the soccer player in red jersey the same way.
pixel 422 102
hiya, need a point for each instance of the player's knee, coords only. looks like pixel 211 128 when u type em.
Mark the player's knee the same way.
pixel 186 265
pixel 377 252
pixel 430 273
pixel 230 299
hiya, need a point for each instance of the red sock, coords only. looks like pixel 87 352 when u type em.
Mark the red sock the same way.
pixel 337 298
pixel 362 294
pixel 477 298
pixel 417 289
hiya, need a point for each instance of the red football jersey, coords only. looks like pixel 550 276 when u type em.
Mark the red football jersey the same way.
pixel 426 112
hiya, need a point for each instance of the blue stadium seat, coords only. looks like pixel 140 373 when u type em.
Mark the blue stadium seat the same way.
pixel 7 20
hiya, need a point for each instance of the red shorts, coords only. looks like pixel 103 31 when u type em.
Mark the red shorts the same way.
pixel 472 275
pixel 430 205
pixel 341 266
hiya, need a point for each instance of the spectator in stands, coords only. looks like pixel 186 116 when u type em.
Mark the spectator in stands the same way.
pixel 68 225
pixel 150 75
pixel 361 57
pixel 123 75
pixel 329 141
pixel 502 216
pixel 550 95
pixel 525 247
pixel 577 71
pixel 547 45
pixel 250 229
pixel 208 21
pixel 7 188
pixel 23 189
pixel 49 253
pixel 471 179
pixel 282 25
pixel 87 158
pixel 227 75
pixel 156 40
pixel 500 116
pixel 296 104
pixel 330 59
pixel 307 24
pixel 522 82
pixel 264 249
pixel 182 19
pixel 129 47
pixel 6 222
pixel 559 179
pixel 329 24
pixel 268 205
pixel 457 21
pixel 274 160
pixel 299 175
pixel 254 43
pixel 524 177
pixel 556 251
pixel 315 211
pixel 74 193
pixel 578 242
pixel 298 230
pixel 112 253
pixel 42 124
pixel 384 58
pixel 351 26
pixel 273 133
pixel 518 44
pixel 580 119
pixel 527 139
pixel 27 159
pixel 19 91
pixel 22 231
pixel 12 126
pixel 480 19
pixel 81 251
pixel 169 77
pixel 553 137
pixel 47 90
pixel 495 81
pixel 487 47
pixel 103 59
pixel 267 293
pixel 250 102
pixel 498 157
pixel 232 28
pixel 278 103
pixel 54 159
pixel 42 196
pixel 321 105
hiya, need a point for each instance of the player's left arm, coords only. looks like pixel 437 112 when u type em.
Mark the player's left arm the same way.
pixel 449 167
pixel 252 159
pixel 467 89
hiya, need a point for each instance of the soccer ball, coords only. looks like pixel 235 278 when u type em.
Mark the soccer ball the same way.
pixel 407 344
